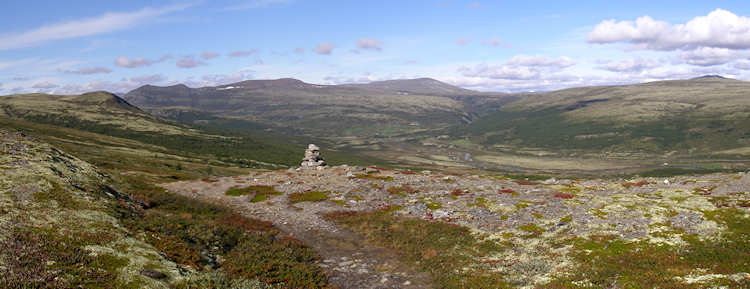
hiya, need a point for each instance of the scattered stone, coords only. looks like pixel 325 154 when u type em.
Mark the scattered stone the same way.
pixel 370 170
pixel 312 159
pixel 153 274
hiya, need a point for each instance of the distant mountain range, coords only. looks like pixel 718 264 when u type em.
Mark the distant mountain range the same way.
pixel 377 108
pixel 704 117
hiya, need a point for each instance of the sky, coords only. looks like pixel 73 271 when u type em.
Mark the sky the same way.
pixel 71 47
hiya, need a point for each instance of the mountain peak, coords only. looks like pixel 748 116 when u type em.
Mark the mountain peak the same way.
pixel 266 83
pixel 424 85
pixel 711 76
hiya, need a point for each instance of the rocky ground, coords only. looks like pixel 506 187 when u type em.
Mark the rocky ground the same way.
pixel 529 215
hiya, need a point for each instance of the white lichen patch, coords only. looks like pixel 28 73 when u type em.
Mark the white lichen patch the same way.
pixel 140 256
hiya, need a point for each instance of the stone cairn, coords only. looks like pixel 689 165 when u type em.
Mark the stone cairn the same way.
pixel 312 159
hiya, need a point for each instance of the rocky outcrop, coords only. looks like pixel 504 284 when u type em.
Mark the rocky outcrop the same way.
pixel 313 159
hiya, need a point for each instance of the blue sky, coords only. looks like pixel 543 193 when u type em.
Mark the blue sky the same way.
pixel 77 46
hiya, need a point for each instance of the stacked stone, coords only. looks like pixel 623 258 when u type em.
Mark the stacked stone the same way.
pixel 312 159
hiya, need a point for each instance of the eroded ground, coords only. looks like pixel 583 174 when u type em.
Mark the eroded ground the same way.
pixel 554 233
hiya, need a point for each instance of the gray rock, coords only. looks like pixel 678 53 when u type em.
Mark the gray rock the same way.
pixel 313 159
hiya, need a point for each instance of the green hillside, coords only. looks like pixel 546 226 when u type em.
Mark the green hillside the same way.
pixel 702 117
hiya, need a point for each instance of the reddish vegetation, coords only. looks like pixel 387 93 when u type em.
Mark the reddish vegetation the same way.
pixel 459 192
pixel 627 185
pixel 506 191
pixel 563 195
pixel 525 183
pixel 407 173
pixel 402 189
pixel 704 190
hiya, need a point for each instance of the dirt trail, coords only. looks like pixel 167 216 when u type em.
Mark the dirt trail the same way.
pixel 350 261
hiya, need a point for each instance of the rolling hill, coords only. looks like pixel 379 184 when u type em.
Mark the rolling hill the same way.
pixel 103 119
pixel 704 116
pixel 379 108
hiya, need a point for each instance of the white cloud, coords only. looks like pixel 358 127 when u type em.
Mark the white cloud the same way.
pixel 334 80
pixel 89 70
pixel 540 61
pixel 123 61
pixel 104 23
pixel 189 61
pixel 500 72
pixel 742 64
pixel 243 53
pixel 369 44
pixel 718 29
pixel 709 56
pixel 148 79
pixel 45 85
pixel 629 65
pixel 324 48
pixel 299 50
pixel 209 55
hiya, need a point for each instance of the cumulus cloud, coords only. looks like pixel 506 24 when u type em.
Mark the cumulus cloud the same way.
pixel 709 56
pixel 718 29
pixel 520 72
pixel 209 55
pixel 123 61
pixel 243 53
pixel 89 70
pixel 299 50
pixel 324 48
pixel 189 61
pixel 463 41
pixel 628 65
pixel 369 44
pixel 104 23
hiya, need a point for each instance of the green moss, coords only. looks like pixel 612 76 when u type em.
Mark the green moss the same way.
pixel 480 202
pixel 374 177
pixel 521 205
pixel 265 190
pixel 532 229
pixel 311 196
pixel 432 205
pixel 566 219
pixel 599 213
